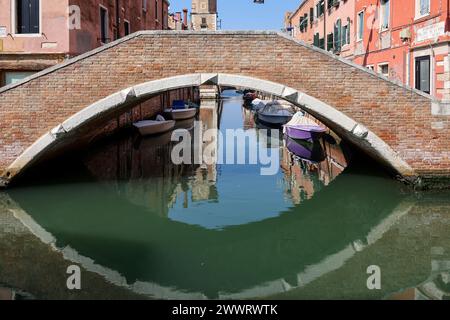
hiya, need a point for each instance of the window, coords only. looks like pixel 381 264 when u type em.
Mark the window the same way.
pixel 371 68
pixel 316 39
pixel 320 8
pixel 423 74
pixel 103 25
pixel 385 14
pixel 126 26
pixel 384 69
pixel 330 42
pixel 332 3
pixel 347 34
pixel 16 76
pixel 360 26
pixel 156 9
pixel 422 8
pixel 322 43
pixel 204 24
pixel 27 17
pixel 303 25
pixel 344 35
pixel 311 15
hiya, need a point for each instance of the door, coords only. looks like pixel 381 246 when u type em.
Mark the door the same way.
pixel 423 78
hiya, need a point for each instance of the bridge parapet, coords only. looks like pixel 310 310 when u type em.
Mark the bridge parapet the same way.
pixel 399 126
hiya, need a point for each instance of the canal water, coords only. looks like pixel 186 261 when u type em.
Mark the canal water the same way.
pixel 139 226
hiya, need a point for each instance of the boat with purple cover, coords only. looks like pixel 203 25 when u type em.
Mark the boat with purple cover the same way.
pixel 303 128
pixel 306 150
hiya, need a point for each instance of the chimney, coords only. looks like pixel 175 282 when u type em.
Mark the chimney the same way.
pixel 185 17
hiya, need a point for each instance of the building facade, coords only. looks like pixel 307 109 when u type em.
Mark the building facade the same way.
pixel 406 41
pixel 36 34
pixel 204 15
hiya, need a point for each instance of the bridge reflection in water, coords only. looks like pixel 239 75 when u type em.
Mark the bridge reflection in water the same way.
pixel 224 231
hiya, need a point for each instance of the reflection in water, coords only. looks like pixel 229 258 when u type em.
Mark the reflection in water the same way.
pixel 224 231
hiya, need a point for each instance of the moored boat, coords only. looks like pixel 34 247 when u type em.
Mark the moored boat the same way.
pixel 306 150
pixel 258 104
pixel 181 114
pixel 275 114
pixel 152 127
pixel 304 128
pixel 181 110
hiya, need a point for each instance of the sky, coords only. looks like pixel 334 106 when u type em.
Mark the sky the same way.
pixel 246 15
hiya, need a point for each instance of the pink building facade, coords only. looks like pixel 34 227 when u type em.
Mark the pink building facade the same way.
pixel 328 25
pixel 36 34
pixel 406 41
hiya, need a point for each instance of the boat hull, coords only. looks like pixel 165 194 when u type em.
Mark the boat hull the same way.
pixel 273 120
pixel 311 151
pixel 182 114
pixel 305 132
pixel 149 127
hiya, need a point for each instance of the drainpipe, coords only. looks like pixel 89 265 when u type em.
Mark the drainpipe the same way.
pixel 117 19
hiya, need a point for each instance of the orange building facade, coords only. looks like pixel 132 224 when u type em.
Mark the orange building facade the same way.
pixel 407 41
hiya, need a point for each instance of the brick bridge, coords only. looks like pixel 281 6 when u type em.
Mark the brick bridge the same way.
pixel 402 128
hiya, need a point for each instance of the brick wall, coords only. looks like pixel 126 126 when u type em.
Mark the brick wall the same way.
pixel 398 115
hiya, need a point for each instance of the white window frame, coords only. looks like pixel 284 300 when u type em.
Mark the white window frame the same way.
pixel 382 28
pixel 417 10
pixel 382 64
pixel 358 26
pixel 14 22
pixel 107 23
pixel 371 67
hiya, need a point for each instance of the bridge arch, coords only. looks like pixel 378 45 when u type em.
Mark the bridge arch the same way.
pixel 339 122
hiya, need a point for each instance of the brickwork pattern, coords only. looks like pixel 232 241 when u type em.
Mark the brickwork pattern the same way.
pixel 398 115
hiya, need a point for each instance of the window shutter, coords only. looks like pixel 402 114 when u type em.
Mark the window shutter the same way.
pixel 23 14
pixel 34 16
pixel 330 41
pixel 311 15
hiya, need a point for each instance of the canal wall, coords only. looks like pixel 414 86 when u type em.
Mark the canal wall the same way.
pixel 402 128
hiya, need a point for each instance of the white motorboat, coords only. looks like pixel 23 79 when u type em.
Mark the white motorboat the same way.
pixel 275 113
pixel 258 104
pixel 151 127
pixel 181 114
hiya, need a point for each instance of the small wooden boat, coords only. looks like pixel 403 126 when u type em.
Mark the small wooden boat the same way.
pixel 181 114
pixel 304 128
pixel 181 110
pixel 151 127
pixel 275 114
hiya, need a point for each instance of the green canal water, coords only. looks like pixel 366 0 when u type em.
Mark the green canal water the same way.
pixel 140 227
